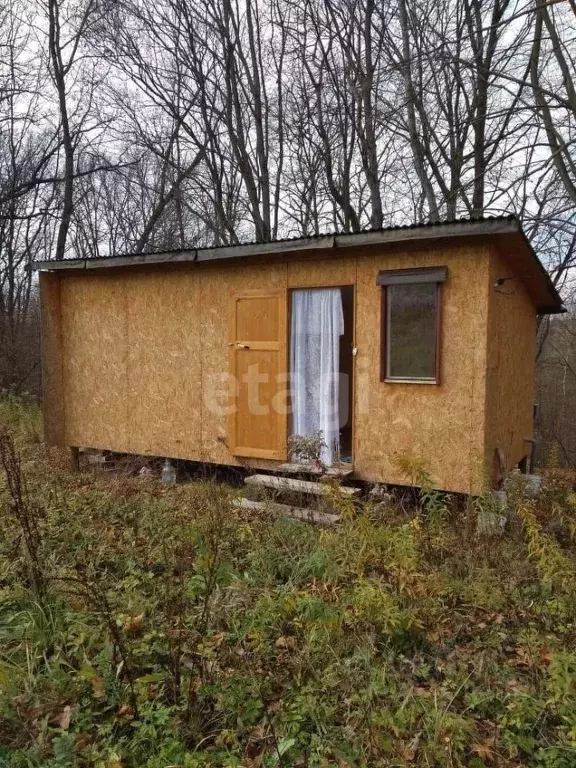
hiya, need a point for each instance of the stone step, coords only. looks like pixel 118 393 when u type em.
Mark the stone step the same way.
pixel 290 484
pixel 337 470
pixel 297 513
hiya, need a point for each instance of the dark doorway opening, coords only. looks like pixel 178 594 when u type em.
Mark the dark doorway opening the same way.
pixel 347 374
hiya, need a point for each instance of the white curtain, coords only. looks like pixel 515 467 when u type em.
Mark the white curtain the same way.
pixel 317 324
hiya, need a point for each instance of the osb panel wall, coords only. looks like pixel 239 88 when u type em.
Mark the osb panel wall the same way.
pixel 511 365
pixel 442 424
pixel 322 273
pixel 131 362
pixel 94 354
pixel 52 357
pixel 145 362
pixel 164 363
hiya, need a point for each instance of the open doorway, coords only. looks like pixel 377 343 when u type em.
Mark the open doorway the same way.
pixel 321 368
pixel 347 374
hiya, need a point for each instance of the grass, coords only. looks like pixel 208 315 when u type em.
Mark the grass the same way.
pixel 166 628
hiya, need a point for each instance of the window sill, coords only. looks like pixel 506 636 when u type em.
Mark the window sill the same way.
pixel 434 382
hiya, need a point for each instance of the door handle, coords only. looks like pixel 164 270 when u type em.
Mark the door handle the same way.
pixel 238 345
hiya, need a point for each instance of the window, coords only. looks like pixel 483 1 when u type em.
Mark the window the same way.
pixel 410 324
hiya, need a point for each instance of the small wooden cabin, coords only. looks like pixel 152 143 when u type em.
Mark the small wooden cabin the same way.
pixel 412 340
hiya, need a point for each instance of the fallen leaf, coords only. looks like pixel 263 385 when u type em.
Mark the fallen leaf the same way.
pixel 62 718
pixel 516 686
pixel 288 643
pixel 546 656
pixel 82 741
pixel 484 750
pixel 125 712
pixel 97 687
pixel 258 733
pixel 133 624
pixel 89 673
pixel 411 751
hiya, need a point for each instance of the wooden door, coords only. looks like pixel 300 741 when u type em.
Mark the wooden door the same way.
pixel 257 344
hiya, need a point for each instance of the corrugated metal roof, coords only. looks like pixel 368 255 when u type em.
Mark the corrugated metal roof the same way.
pixel 318 236
pixel 549 300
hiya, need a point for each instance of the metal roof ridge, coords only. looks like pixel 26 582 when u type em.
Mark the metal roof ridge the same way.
pixel 309 238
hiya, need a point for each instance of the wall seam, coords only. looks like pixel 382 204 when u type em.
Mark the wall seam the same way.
pixel 487 478
pixel 128 436
pixel 194 275
pixel 61 361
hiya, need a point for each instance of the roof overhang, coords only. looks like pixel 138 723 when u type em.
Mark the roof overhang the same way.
pixel 506 232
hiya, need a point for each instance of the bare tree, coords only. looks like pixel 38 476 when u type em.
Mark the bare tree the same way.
pixel 208 68
pixel 128 125
pixel 67 26
pixel 25 148
pixel 553 81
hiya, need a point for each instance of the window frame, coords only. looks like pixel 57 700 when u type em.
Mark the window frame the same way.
pixel 414 276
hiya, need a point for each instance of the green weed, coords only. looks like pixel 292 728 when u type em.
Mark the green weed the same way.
pixel 174 630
